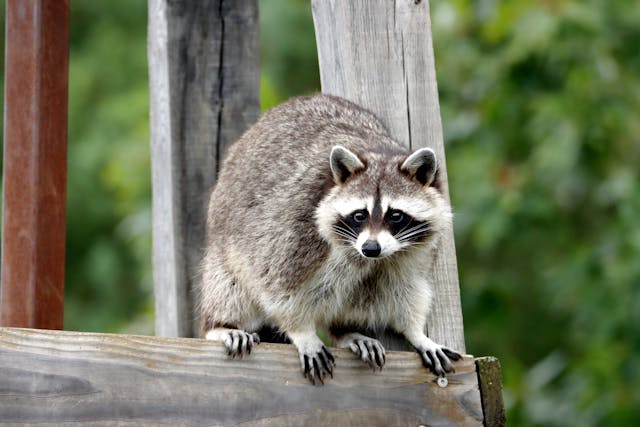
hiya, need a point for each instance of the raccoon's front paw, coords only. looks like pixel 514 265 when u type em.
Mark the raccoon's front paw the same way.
pixel 237 342
pixel 317 362
pixel 438 359
pixel 316 366
pixel 370 350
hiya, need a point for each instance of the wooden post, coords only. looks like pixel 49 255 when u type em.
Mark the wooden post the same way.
pixel 379 54
pixel 204 84
pixel 35 163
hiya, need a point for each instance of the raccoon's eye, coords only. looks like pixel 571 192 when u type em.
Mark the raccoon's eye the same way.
pixel 396 216
pixel 359 216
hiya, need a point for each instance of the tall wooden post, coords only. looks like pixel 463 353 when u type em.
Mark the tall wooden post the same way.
pixel 379 54
pixel 204 77
pixel 35 163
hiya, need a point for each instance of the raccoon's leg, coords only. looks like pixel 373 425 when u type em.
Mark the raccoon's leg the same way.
pixel 317 362
pixel 228 312
pixel 370 350
pixel 237 342
pixel 409 317
pixel 435 357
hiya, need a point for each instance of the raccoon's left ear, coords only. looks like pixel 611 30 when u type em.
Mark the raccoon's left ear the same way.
pixel 344 163
pixel 421 165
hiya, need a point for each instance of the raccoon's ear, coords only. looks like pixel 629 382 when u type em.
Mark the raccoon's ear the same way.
pixel 344 164
pixel 421 165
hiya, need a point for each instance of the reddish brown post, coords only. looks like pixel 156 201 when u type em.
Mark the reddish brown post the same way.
pixel 35 163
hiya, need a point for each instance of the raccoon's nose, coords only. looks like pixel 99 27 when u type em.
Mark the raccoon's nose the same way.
pixel 371 249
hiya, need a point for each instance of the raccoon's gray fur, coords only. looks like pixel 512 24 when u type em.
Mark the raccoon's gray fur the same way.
pixel 320 220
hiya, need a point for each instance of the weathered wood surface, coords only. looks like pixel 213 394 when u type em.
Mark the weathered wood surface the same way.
pixel 35 163
pixel 379 54
pixel 80 378
pixel 204 86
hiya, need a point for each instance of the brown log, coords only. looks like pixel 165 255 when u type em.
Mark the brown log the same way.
pixel 35 165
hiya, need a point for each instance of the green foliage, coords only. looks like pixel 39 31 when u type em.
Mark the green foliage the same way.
pixel 541 110
pixel 288 51
pixel 108 286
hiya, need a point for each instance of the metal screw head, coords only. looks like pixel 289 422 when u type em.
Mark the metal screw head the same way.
pixel 443 382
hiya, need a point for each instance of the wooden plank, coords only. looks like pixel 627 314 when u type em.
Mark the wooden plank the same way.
pixel 379 54
pixel 490 381
pixel 35 163
pixel 82 378
pixel 204 84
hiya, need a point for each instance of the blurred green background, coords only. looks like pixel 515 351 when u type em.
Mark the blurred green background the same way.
pixel 541 110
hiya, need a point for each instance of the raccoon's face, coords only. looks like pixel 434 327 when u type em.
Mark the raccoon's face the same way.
pixel 383 204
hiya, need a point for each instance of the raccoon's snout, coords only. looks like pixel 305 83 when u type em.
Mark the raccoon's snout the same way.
pixel 371 249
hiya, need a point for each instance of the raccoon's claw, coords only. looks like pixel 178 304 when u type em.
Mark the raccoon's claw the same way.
pixel 370 351
pixel 239 343
pixel 438 360
pixel 316 366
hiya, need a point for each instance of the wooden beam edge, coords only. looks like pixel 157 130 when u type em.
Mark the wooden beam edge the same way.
pixel 120 377
pixel 490 382
pixel 168 349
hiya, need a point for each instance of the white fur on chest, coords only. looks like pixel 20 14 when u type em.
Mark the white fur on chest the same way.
pixel 402 294
pixel 324 295
pixel 332 285
pixel 332 293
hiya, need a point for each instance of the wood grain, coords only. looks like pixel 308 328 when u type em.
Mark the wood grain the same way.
pixel 82 378
pixel 379 54
pixel 35 164
pixel 204 83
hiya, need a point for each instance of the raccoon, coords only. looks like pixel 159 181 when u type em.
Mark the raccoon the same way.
pixel 320 220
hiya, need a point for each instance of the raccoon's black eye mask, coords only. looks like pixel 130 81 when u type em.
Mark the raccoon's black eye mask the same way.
pixel 397 221
pixel 400 224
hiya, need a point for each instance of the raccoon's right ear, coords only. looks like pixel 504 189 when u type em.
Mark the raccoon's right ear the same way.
pixel 421 165
pixel 344 163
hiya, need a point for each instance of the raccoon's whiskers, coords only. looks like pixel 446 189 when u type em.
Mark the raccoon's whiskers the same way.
pixel 408 245
pixel 346 229
pixel 343 236
pixel 415 227
pixel 347 233
pixel 412 235
pixel 399 233
pixel 412 232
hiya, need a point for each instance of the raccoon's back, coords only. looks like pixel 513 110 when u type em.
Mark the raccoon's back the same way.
pixel 296 136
